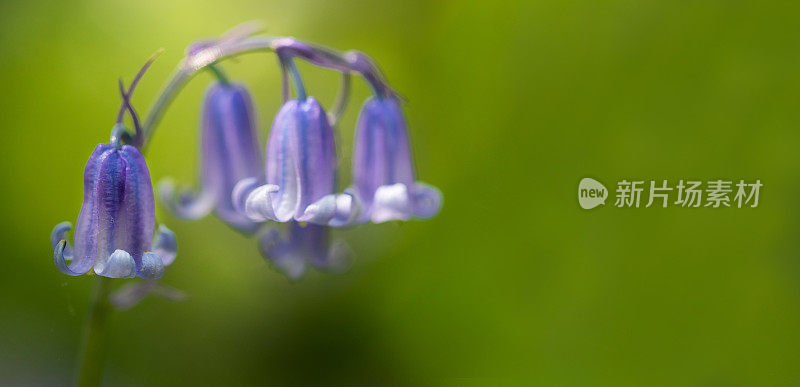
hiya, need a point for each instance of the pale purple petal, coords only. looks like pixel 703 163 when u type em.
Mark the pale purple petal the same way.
pixel 110 197
pixel 281 163
pixel 260 202
pixel 282 255
pixel 391 202
pixel 61 258
pixel 314 154
pixel 426 199
pixel 383 168
pixel 230 144
pixel 136 223
pixel 165 245
pixel 338 260
pixel 60 234
pixel 152 266
pixel 119 264
pixel 336 210
pixel 229 153
pixel 87 229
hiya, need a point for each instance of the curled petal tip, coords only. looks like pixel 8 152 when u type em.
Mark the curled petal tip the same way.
pixel 152 266
pixel 60 233
pixel 391 202
pixel 165 245
pixel 120 264
pixel 256 201
pixel 427 200
pixel 241 191
pixel 60 256
pixel 401 202
pixel 336 210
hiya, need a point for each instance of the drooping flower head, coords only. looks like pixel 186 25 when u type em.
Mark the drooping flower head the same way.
pixel 383 168
pixel 300 172
pixel 114 231
pixel 304 245
pixel 229 153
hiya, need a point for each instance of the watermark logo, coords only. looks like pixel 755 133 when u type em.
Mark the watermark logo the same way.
pixel 660 193
pixel 591 193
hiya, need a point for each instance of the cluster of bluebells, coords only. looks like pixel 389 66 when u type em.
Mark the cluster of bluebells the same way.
pixel 295 180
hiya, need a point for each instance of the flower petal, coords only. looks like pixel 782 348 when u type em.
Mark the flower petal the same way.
pixel 339 258
pixel 137 221
pixel 230 146
pixel 60 234
pixel 281 166
pixel 427 200
pixel 131 294
pixel 258 203
pixel 281 255
pixel 165 245
pixel 381 152
pixel 336 210
pixel 110 207
pixel 152 266
pixel 119 264
pixel 391 203
pixel 313 153
pixel 87 228
pixel 185 204
pixel 60 260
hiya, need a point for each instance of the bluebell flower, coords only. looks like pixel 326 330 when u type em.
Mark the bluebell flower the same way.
pixel 383 169
pixel 229 153
pixel 114 231
pixel 300 172
pixel 305 244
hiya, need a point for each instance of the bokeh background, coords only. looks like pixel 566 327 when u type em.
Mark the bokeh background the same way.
pixel 510 105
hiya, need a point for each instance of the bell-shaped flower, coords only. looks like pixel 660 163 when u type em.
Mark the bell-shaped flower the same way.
pixel 305 244
pixel 383 169
pixel 229 153
pixel 300 170
pixel 114 231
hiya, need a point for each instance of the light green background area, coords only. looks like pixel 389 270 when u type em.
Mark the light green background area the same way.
pixel 510 104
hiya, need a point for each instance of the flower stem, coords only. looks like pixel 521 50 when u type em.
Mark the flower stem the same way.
pixel 297 80
pixel 348 62
pixel 219 74
pixel 92 355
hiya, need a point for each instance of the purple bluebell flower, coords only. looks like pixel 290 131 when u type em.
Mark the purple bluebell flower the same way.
pixel 230 152
pixel 114 231
pixel 305 244
pixel 300 172
pixel 383 169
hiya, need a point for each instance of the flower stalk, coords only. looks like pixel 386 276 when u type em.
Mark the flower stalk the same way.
pixel 92 353
pixel 209 54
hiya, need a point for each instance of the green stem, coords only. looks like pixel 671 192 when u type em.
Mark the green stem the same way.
pixel 221 77
pixel 92 355
pixel 297 80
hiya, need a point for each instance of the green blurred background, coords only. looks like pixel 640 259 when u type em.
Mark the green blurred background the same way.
pixel 510 105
